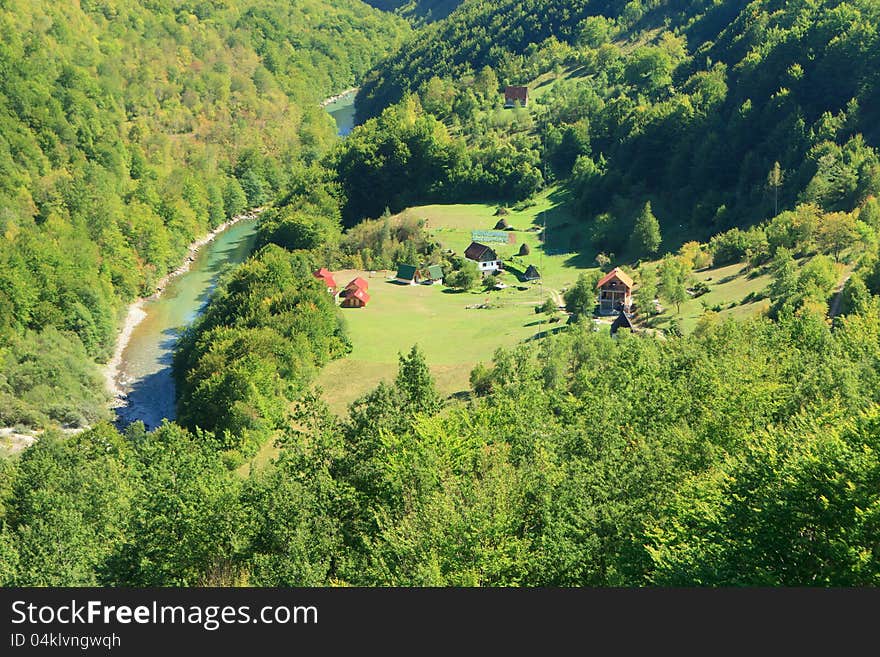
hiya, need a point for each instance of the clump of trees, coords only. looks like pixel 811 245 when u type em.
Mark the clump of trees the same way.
pixel 740 439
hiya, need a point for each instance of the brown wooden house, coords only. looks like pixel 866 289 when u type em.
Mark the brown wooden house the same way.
pixel 514 94
pixel 356 298
pixel 615 292
pixel 355 294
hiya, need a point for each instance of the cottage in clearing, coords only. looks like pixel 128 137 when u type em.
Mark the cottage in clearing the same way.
pixel 615 292
pixel 355 294
pixel 433 275
pixel 487 260
pixel 622 321
pixel 407 274
pixel 325 276
pixel 514 95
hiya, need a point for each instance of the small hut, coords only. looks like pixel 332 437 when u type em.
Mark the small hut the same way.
pixel 531 273
pixel 622 321
pixel 433 275
pixel 407 274
pixel 324 275
pixel 516 95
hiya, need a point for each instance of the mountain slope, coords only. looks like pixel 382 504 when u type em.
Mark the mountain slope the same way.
pixel 127 130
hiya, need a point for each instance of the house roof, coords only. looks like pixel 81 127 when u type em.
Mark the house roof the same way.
pixel 622 321
pixel 435 272
pixel 514 92
pixel 617 273
pixel 531 273
pixel 361 294
pixel 480 253
pixel 359 283
pixel 326 276
pixel 407 272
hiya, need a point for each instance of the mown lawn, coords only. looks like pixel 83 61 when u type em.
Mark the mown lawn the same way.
pixel 447 326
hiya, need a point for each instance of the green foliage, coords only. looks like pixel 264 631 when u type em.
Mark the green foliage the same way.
pixel 646 292
pixel 580 299
pixel 646 234
pixel 69 509
pixel 674 276
pixel 798 508
pixel 716 115
pixel 129 129
pixel 406 155
pixel 747 457
pixel 47 378
pixel 255 349
pixel 185 517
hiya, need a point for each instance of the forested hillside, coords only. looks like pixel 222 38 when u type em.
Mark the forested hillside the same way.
pixel 417 12
pixel 126 131
pixel 741 452
pixel 688 105
pixel 744 454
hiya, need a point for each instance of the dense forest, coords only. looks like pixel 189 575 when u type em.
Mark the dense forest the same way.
pixel 127 130
pixel 744 454
pixel 692 106
pixel 739 453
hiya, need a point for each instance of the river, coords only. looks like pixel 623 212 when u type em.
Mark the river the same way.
pixel 145 369
pixel 342 110
pixel 144 372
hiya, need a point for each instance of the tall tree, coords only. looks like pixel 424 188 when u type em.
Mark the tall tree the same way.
pixel 673 281
pixel 646 234
pixel 416 384
pixel 646 292
pixel 774 181
pixel 580 299
pixel 837 230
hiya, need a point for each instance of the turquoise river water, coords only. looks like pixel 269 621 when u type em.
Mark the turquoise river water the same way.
pixel 144 374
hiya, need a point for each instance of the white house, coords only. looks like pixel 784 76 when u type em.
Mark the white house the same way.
pixel 487 260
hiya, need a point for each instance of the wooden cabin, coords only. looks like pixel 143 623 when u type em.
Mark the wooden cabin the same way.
pixel 516 95
pixel 615 292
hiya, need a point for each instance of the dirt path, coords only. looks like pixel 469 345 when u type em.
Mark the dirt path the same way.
pixel 834 308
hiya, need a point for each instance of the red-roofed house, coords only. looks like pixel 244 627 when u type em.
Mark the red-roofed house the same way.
pixel 514 94
pixel 355 294
pixel 325 275
pixel 615 292
pixel 358 282
pixel 356 298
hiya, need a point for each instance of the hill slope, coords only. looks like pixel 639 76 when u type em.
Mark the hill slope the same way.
pixel 127 130
pixel 688 105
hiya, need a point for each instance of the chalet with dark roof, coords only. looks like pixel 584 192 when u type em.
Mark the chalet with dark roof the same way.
pixel 486 258
pixel 621 322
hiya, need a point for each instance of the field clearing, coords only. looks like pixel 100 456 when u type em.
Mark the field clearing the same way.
pixel 446 325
